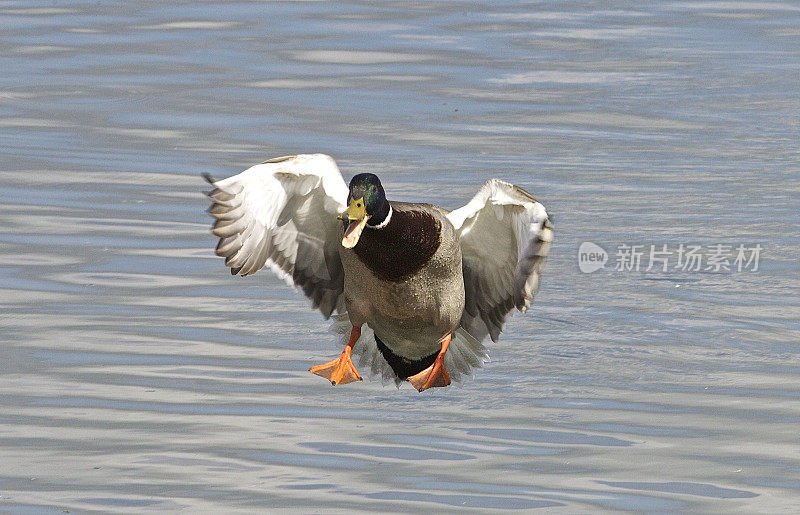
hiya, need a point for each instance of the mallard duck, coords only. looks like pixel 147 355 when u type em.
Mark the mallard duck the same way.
pixel 414 289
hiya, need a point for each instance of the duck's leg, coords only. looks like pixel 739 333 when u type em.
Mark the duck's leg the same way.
pixel 341 370
pixel 434 375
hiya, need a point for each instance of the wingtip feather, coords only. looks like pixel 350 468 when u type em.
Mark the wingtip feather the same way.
pixel 209 179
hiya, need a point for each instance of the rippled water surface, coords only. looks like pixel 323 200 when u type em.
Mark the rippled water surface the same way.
pixel 137 374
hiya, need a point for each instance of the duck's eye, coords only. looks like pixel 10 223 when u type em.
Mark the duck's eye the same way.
pixel 374 189
pixel 358 204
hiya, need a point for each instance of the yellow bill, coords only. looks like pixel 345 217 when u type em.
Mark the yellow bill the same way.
pixel 357 216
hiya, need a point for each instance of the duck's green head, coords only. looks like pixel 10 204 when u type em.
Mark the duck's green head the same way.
pixel 367 204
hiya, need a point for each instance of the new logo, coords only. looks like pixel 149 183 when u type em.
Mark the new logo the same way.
pixel 591 257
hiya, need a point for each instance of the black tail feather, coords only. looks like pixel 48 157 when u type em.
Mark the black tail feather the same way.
pixel 404 367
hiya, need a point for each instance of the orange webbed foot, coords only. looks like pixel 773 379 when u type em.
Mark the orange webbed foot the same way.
pixel 341 370
pixel 435 375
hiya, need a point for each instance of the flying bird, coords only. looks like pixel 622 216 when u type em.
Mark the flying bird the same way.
pixel 413 289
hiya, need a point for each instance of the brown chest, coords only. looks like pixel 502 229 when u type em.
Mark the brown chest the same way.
pixel 402 248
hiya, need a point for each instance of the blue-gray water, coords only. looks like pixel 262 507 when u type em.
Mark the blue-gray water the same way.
pixel 137 374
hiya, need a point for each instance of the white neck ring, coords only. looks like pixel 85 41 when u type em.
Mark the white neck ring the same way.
pixel 385 220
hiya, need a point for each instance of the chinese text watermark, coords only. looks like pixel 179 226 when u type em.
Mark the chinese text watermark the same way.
pixel 715 258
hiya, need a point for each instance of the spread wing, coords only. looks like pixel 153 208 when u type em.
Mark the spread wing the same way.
pixel 505 235
pixel 282 213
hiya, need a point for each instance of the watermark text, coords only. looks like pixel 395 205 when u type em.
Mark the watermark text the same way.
pixel 714 258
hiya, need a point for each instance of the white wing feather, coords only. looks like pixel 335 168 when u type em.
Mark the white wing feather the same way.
pixel 505 235
pixel 282 213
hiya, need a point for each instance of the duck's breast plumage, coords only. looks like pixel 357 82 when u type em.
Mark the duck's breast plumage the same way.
pixel 402 248
pixel 405 280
